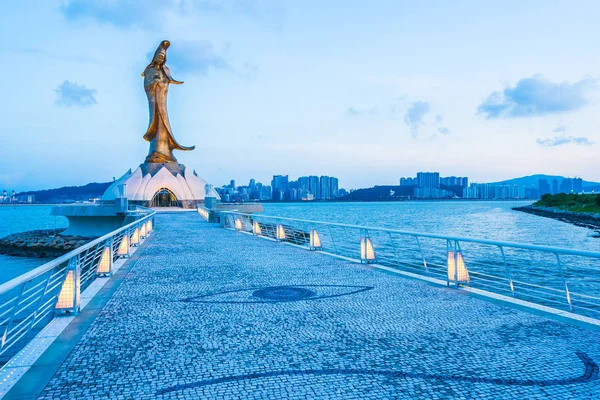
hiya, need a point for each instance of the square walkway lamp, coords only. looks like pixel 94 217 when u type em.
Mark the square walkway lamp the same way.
pixel 315 240
pixel 106 261
pixel 280 234
pixel 256 228
pixel 69 296
pixel 367 252
pixel 123 250
pixel 457 271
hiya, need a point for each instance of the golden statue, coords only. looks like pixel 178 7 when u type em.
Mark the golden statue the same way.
pixel 157 78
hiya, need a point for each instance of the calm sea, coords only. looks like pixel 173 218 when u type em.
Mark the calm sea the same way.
pixel 485 220
pixel 21 219
pixel 494 220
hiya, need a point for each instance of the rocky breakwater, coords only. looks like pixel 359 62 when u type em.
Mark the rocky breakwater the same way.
pixel 587 220
pixel 40 243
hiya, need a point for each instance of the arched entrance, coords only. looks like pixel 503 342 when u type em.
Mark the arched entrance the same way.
pixel 165 198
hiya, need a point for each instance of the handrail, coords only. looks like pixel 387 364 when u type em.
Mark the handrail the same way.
pixel 560 250
pixel 551 276
pixel 19 280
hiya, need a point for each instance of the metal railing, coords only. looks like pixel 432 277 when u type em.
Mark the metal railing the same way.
pixel 560 278
pixel 28 302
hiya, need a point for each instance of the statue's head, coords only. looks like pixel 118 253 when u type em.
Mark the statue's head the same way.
pixel 160 55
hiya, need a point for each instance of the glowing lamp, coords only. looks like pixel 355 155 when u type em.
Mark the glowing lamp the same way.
pixel 457 271
pixel 123 250
pixel 280 233
pixel 315 240
pixel 135 237
pixel 149 226
pixel 238 224
pixel 367 253
pixel 69 296
pixel 106 262
pixel 256 228
pixel 143 231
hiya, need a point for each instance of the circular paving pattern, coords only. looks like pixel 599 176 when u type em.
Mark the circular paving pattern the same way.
pixel 283 293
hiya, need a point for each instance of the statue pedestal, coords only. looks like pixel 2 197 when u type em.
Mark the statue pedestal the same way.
pixel 150 180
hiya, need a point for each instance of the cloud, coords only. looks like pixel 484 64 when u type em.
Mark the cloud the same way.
pixel 197 56
pixel 444 131
pixel 562 140
pixel 561 128
pixel 122 14
pixel 414 115
pixel 354 112
pixel 537 96
pixel 151 13
pixel 70 94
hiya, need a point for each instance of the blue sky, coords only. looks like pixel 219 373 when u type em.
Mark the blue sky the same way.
pixel 365 91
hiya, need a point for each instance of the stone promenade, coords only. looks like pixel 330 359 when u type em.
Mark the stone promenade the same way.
pixel 213 314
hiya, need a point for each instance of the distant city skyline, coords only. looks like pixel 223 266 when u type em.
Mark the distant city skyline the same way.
pixel 397 87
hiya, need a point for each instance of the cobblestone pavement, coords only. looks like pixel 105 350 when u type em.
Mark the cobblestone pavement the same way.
pixel 210 313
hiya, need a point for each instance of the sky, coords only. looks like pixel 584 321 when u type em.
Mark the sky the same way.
pixel 365 91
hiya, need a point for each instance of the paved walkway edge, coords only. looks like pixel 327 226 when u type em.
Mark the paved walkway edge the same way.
pixel 32 374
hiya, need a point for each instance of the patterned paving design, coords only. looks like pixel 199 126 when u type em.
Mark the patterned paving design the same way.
pixel 186 324
pixel 272 294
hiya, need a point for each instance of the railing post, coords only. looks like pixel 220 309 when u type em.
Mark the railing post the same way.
pixel 507 270
pixel 70 292
pixel 422 255
pixel 562 275
pixel 332 240
pixel 12 315
pixel 395 249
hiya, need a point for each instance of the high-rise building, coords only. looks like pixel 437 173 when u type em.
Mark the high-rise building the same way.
pixel 455 181
pixel 408 181
pixel 333 187
pixel 314 186
pixel 577 185
pixel 566 186
pixel 280 185
pixel 324 183
pixel 543 187
pixel 428 179
pixel 554 186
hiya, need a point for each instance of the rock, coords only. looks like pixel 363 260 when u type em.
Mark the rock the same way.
pixel 40 243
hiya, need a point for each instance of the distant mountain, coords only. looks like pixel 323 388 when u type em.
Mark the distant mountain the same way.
pixel 532 181
pixel 69 194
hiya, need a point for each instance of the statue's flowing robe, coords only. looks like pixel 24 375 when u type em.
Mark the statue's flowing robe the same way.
pixel 159 133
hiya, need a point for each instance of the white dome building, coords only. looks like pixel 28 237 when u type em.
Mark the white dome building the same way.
pixel 161 185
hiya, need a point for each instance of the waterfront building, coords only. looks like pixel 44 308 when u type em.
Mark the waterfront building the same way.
pixel 554 186
pixel 408 182
pixel 455 181
pixel 432 193
pixel 578 185
pixel 543 187
pixel 333 187
pixel 280 185
pixel 325 182
pixel 428 179
pixel 566 186
pixel 314 186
